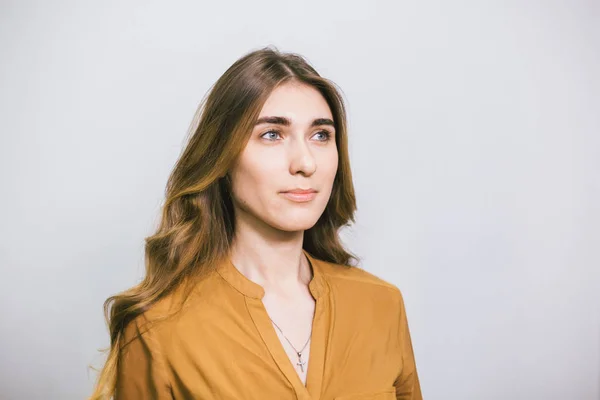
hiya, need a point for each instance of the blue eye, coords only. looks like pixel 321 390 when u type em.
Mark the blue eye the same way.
pixel 271 138
pixel 326 134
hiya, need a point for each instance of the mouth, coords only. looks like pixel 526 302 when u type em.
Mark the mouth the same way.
pixel 300 195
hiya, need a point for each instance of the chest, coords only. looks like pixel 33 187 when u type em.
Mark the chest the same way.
pixel 293 324
pixel 238 353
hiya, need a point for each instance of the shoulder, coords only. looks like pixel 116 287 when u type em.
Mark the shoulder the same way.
pixel 164 315
pixel 349 275
pixel 358 283
pixel 147 323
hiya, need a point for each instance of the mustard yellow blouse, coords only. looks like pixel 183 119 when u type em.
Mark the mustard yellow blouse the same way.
pixel 222 344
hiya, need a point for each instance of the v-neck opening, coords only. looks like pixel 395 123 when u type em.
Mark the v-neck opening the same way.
pixel 316 352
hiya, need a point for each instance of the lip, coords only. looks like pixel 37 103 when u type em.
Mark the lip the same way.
pixel 300 195
pixel 300 191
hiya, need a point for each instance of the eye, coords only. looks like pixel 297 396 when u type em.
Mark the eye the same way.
pixel 271 134
pixel 325 135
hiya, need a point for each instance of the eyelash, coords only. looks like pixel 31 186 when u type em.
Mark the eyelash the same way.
pixel 327 134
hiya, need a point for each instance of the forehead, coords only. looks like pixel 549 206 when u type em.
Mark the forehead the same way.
pixel 299 102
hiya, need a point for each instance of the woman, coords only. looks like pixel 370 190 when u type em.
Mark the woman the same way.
pixel 248 292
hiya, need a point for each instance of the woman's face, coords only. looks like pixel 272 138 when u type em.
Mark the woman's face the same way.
pixel 292 147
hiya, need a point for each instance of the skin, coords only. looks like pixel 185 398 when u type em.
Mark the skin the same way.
pixel 267 247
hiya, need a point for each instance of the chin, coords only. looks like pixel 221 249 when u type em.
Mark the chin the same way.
pixel 295 223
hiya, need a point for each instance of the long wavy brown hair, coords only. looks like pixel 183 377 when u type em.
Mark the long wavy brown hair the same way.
pixel 198 224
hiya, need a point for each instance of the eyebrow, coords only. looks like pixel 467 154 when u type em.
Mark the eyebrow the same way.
pixel 287 122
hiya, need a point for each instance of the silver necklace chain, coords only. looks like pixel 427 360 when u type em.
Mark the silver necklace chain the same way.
pixel 299 353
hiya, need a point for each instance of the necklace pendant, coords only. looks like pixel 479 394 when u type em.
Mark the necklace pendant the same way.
pixel 300 362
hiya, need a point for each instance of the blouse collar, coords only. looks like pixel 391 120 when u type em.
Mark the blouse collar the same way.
pixel 241 283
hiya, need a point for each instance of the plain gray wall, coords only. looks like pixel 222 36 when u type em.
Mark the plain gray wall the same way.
pixel 475 142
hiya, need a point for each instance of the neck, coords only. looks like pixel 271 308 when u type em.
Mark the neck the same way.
pixel 274 261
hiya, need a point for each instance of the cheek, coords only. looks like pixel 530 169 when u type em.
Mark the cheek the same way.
pixel 329 166
pixel 253 178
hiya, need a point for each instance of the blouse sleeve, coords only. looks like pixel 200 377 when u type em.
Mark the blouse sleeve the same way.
pixel 407 383
pixel 140 370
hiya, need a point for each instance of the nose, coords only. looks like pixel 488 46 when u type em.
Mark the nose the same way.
pixel 302 159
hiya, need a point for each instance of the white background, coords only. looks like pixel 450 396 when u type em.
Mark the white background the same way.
pixel 475 144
